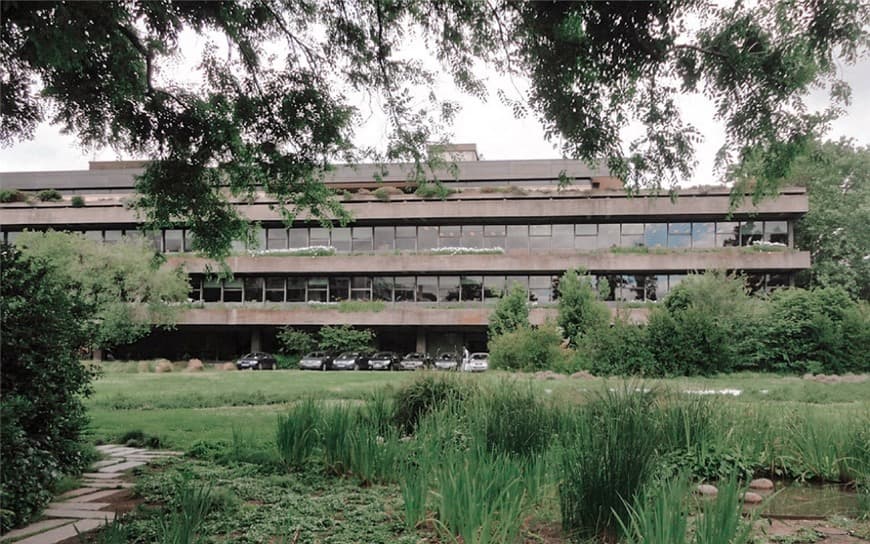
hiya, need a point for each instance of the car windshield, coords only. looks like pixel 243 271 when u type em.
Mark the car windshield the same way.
pixel 250 356
pixel 479 356
pixel 382 355
pixel 448 356
pixel 316 355
pixel 414 356
pixel 348 355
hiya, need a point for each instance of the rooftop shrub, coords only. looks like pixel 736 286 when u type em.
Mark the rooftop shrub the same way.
pixel 49 195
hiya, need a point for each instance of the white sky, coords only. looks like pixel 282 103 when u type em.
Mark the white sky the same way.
pixel 490 125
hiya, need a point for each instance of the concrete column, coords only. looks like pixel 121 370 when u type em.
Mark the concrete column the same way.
pixel 255 339
pixel 421 339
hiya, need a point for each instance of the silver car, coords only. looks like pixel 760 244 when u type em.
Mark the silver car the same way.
pixel 383 360
pixel 317 360
pixel 447 361
pixel 414 361
pixel 477 362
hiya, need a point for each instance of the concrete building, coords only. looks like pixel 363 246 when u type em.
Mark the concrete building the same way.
pixel 425 273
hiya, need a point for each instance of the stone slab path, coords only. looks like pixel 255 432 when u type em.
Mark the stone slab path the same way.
pixel 81 510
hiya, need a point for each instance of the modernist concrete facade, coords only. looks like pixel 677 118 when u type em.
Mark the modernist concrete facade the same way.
pixel 424 273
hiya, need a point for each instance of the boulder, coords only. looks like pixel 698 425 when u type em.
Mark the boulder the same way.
pixel 752 498
pixel 228 366
pixel 707 490
pixel 582 375
pixel 761 483
pixel 195 365
pixel 163 366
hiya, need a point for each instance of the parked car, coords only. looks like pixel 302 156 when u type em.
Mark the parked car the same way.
pixel 383 360
pixel 316 360
pixel 447 361
pixel 477 362
pixel 414 361
pixel 350 360
pixel 257 360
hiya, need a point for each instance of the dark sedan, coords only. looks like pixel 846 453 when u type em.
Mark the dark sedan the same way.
pixel 383 360
pixel 350 360
pixel 316 360
pixel 257 360
pixel 414 361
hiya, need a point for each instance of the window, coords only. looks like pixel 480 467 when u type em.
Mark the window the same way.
pixel 680 235
pixel 513 281
pixel 655 235
pixel 382 289
pixel 540 288
pixel 274 289
pixel 563 237
pixel 607 285
pixel 296 289
pixel 233 290
pixel 195 292
pixel 471 288
pixel 405 287
pixel 316 290
pixel 276 238
pixel 517 238
pixel 630 287
pixel 341 239
pixel 608 235
pixel 774 231
pixel 318 237
pixel 339 289
pixel 211 291
pixel 493 287
pixel 112 236
pixel 427 288
pixel 427 238
pixel 406 238
pixel 385 239
pixel 656 287
pixel 703 235
pixel 585 237
pixel 254 288
pixel 298 238
pixel 540 237
pixel 362 239
pixel 494 236
pixel 751 231
pixel 727 235
pixel 448 236
pixel 472 236
pixel 361 288
pixel 448 288
pixel 96 235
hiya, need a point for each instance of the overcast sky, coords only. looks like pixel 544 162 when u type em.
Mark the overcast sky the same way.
pixel 490 125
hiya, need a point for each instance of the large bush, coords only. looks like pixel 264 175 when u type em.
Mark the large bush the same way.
pixel 345 338
pixel 42 382
pixel 527 349
pixel 295 342
pixel 511 312
pixel 580 312
pixel 621 349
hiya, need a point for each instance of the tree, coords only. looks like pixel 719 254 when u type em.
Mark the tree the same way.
pixel 835 230
pixel 345 338
pixel 257 121
pixel 126 289
pixel 510 313
pixel 579 310
pixel 42 329
pixel 295 342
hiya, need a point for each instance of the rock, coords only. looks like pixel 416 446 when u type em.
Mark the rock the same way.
pixel 195 365
pixel 582 375
pixel 707 490
pixel 163 366
pixel 752 498
pixel 761 483
pixel 228 366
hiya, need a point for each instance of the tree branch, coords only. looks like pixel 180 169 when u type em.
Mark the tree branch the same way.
pixel 700 49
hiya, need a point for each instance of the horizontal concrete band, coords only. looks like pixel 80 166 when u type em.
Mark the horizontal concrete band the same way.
pixel 617 207
pixel 553 261
pixel 397 315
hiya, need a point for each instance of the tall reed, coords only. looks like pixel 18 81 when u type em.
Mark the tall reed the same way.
pixel 192 503
pixel 721 520
pixel 336 424
pixel 658 516
pixel 297 435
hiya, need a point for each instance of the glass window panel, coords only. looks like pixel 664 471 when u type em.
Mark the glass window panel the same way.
pixel 586 229
pixel 276 238
pixel 607 285
pixel 540 288
pixel 427 238
pixel 254 289
pixel 774 231
pixel 318 236
pixel 173 240
pixel 449 231
pixel 674 280
pixel 298 238
pixel 112 236
pixel 361 282
pixel 317 289
pixel 406 232
pixel 522 281
pixel 778 281
pixel 427 288
pixel 361 294
pixel 385 239
pixel 517 237
pixel 608 235
pixel 563 237
pixel 95 235
pixel 274 289
pixel 495 242
pixel 472 236
pixel 471 288
pixel 680 241
pixel 406 244
pixel 233 290
pixel 540 230
pixel 680 228
pixel 448 288
pixel 630 287
pixel 494 230
pixel 493 287
pixel 585 243
pixel 362 239
pixel 382 288
pixel 211 291
pixel 632 228
pixel 341 239
pixel 727 227
pixel 655 235
pixel 631 240
pixel 751 231
pixel 703 235
pixel 339 289
pixel 656 287
pixel 195 291
pixel 296 289
pixel 405 288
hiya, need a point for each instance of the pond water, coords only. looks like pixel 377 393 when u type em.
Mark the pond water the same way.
pixel 795 499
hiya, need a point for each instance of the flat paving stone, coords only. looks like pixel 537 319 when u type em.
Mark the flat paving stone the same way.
pixel 78 513
pixel 62 533
pixel 121 467
pixel 37 527
pixel 100 475
pixel 95 496
pixel 108 462
pixel 78 505
pixel 76 492
pixel 109 485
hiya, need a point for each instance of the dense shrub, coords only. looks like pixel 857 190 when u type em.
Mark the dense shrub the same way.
pixel 511 312
pixel 77 201
pixel 295 342
pixel 11 195
pixel 690 342
pixel 345 338
pixel 580 312
pixel 819 330
pixel 422 396
pixel 49 195
pixel 621 349
pixel 42 383
pixel 527 349
pixel 512 419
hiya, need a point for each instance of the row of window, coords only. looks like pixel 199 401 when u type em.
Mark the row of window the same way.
pixel 440 289
pixel 512 238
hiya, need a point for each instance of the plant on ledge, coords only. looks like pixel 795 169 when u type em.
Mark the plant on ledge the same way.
pixel 310 251
pixel 467 251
